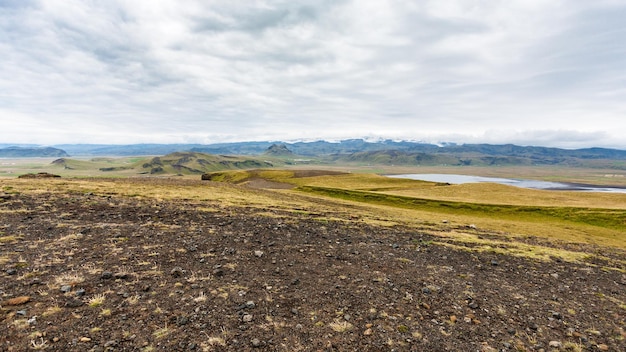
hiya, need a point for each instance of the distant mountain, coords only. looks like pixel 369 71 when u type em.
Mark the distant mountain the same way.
pixel 362 151
pixel 197 163
pixel 278 150
pixel 124 150
pixel 31 152
pixel 491 155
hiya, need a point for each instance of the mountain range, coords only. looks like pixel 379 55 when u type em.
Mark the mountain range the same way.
pixel 354 150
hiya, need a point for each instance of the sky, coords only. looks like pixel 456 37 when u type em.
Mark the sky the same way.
pixel 528 72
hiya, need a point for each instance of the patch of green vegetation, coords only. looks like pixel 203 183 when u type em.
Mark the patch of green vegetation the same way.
pixel 403 329
pixel 607 218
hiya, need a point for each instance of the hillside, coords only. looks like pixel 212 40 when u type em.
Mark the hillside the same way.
pixel 198 163
pixel 279 150
pixel 147 264
pixel 492 156
pixel 31 152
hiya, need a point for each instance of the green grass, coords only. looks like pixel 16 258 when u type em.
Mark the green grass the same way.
pixel 608 218
pixel 515 213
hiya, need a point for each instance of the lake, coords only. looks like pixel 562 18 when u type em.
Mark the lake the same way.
pixel 532 184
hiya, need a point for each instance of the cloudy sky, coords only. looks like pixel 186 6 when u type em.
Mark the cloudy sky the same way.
pixel 531 72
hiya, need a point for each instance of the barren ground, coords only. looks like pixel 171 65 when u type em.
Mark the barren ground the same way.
pixel 87 272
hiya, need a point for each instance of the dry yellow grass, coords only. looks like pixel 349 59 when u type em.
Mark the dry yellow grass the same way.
pixel 222 194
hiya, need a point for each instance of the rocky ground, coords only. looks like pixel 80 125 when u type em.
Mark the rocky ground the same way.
pixel 82 272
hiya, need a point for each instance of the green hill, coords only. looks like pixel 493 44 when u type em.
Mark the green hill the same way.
pixel 199 163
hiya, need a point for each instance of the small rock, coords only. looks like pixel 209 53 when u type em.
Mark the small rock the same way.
pixel 74 303
pixel 250 304
pixel 80 292
pixel 246 318
pixel 555 344
pixel 12 271
pixel 106 275
pixel 495 262
pixel 21 312
pixel 177 272
pixel 367 332
pixel 66 288
pixel 256 343
pixel 32 320
pixel 425 290
pixel 258 254
pixel 182 320
pixel 110 344
pixel 473 305
pixel 122 276
pixel 85 339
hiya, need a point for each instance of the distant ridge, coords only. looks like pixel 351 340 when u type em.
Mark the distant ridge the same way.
pixel 278 150
pixel 197 163
pixel 31 152
pixel 387 152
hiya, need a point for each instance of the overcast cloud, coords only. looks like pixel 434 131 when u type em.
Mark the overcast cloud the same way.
pixel 531 72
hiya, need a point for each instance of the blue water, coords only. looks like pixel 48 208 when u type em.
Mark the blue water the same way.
pixel 532 184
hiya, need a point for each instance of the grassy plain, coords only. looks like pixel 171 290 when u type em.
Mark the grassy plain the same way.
pixel 576 217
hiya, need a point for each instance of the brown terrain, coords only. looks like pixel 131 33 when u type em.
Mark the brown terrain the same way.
pixel 96 272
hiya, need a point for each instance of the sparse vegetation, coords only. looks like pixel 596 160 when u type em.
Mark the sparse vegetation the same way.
pixel 97 300
pixel 368 269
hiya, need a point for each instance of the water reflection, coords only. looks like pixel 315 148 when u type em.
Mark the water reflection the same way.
pixel 533 184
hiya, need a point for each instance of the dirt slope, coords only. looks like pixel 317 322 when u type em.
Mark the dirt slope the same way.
pixel 101 273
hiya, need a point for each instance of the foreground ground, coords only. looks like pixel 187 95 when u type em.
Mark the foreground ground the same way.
pixel 91 271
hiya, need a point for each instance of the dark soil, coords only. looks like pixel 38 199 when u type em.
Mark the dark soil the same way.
pixel 183 276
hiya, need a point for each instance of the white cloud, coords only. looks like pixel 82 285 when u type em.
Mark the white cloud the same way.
pixel 166 71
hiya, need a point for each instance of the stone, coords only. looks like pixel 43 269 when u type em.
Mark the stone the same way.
pixel 122 276
pixel 12 271
pixel 74 303
pixel 258 254
pixel 246 318
pixel 66 288
pixel 177 272
pixel 555 344
pixel 106 275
